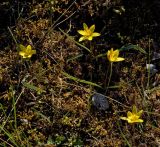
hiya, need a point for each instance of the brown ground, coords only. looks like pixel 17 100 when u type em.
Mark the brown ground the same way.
pixel 62 114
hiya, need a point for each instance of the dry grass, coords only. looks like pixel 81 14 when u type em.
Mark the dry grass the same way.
pixel 42 106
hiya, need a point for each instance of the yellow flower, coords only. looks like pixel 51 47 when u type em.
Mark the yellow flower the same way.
pixel 88 33
pixel 134 116
pixel 113 56
pixel 26 52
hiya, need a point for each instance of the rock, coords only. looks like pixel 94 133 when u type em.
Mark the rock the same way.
pixel 100 101
pixel 151 68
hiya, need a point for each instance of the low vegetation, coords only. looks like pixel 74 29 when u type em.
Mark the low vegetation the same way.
pixel 79 73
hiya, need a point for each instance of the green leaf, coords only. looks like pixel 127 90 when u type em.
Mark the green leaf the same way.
pixel 35 88
pixel 74 58
pixel 59 139
pixel 75 41
pixel 41 115
pixel 134 47
pixel 50 141
pixel 79 80
pixel 101 55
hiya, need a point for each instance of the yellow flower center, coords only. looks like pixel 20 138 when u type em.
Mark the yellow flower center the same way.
pixel 28 52
pixel 133 117
pixel 88 32
pixel 113 56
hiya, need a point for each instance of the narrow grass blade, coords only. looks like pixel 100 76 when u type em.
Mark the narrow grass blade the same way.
pixel 74 58
pixel 14 111
pixel 40 114
pixel 11 138
pixel 32 87
pixel 12 36
pixel 87 49
pixel 134 47
pixel 3 110
pixel 123 136
pixel 79 80
pixel 101 55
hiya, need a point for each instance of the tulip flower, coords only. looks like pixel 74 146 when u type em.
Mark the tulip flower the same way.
pixel 113 56
pixel 88 33
pixel 26 52
pixel 134 116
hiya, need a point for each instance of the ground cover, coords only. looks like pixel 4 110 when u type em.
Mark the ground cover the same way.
pixel 79 73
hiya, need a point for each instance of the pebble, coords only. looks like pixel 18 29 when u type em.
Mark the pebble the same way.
pixel 100 101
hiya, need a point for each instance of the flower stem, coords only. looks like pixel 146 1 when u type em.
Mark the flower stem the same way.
pixel 110 75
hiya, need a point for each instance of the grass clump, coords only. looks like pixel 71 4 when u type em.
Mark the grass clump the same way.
pixel 58 91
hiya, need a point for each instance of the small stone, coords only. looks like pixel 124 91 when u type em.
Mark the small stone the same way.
pixel 100 101
pixel 155 56
pixel 152 69
pixel 25 121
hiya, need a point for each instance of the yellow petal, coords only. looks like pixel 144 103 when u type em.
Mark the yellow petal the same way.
pixel 135 121
pixel 82 32
pixel 23 54
pixel 29 56
pixel 90 38
pixel 22 47
pixel 124 118
pixel 108 52
pixel 33 52
pixel 81 38
pixel 140 120
pixel 140 113
pixel 134 109
pixel 129 114
pixel 130 121
pixel 92 28
pixel 85 27
pixel 116 53
pixel 119 59
pixel 111 50
pixel 96 34
pixel 29 47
